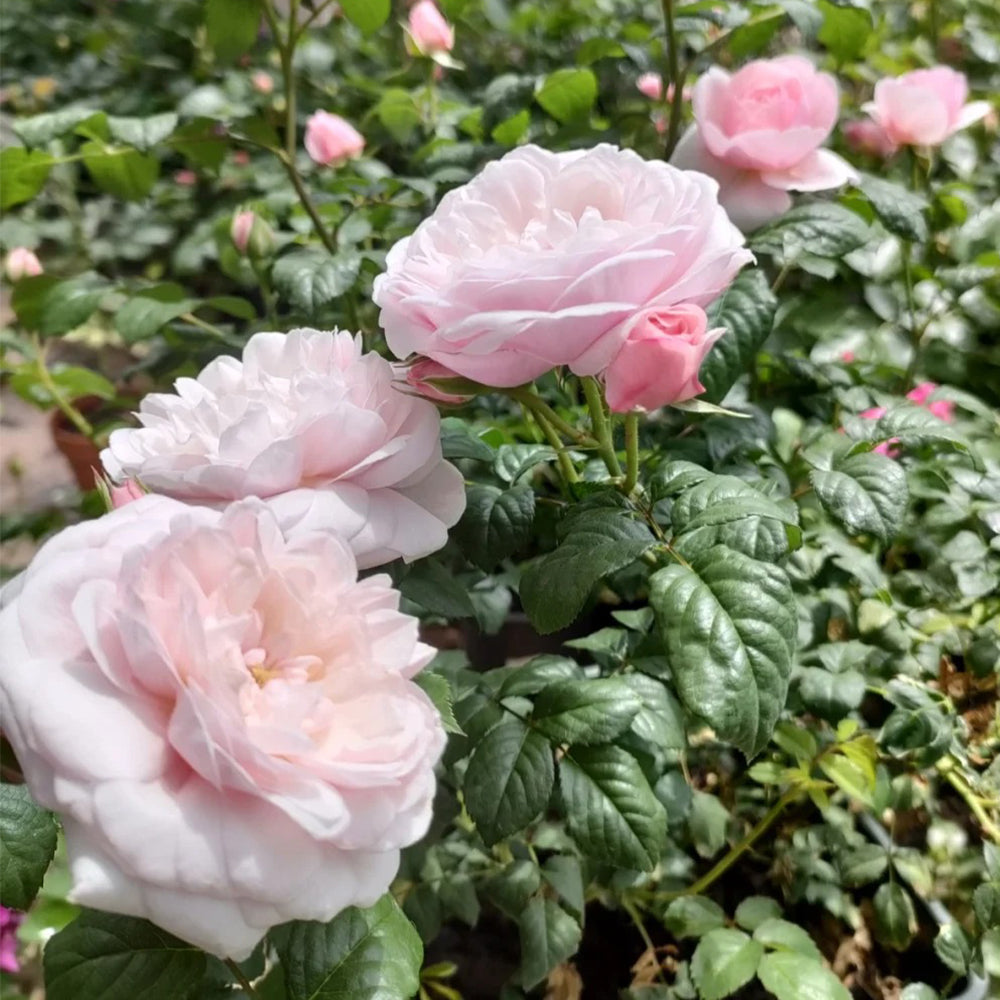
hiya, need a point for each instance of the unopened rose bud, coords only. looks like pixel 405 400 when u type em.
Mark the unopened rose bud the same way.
pixel 21 263
pixel 651 84
pixel 429 30
pixel 439 384
pixel 251 235
pixel 331 141
pixel 262 82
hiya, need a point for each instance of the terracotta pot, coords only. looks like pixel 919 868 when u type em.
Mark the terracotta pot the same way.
pixel 82 454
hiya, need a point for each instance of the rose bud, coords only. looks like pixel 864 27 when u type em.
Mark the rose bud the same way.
pixel 21 263
pixel 428 29
pixel 331 141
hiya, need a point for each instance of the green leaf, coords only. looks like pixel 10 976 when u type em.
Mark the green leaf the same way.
pixel 549 935
pixel 554 588
pixel 754 910
pixel 366 15
pixel 708 822
pixel 199 141
pixel 516 460
pixel 142 133
pixel 539 672
pixel 509 780
pixel 22 175
pixel 586 712
pixel 866 493
pixel 120 958
pixel 831 695
pixel 611 811
pixel 986 903
pixel 895 919
pixel 953 948
pixel 458 441
pixel 563 874
pixel 312 278
pixel 724 960
pixel 121 171
pixel 512 887
pixel 496 523
pixel 232 27
pixel 432 587
pixel 786 936
pixel 790 976
pixel 845 30
pixel 864 864
pixel 850 777
pixel 27 844
pixel 568 94
pixel 912 424
pixel 52 307
pixel 746 311
pixel 372 954
pixel 990 946
pixel 754 34
pixel 146 312
pixel 398 112
pixel 900 210
pixel 41 129
pixel 693 916
pixel 74 382
pixel 821 229
pixel 729 629
pixel 439 691
pixel 660 719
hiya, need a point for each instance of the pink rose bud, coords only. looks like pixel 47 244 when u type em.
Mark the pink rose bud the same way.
pixel 331 141
pixel 941 408
pixel 429 30
pixel 924 107
pixel 241 157
pixel 437 383
pixel 125 493
pixel 9 921
pixel 659 361
pixel 186 178
pixel 870 138
pixel 21 263
pixel 262 82
pixel 240 230
pixel 651 84
pixel 847 357
pixel 251 235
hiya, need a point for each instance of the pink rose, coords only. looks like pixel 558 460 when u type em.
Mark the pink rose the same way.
pixel 240 230
pixel 223 718
pixel 924 107
pixel 758 133
pixel 435 382
pixel 312 426
pixel 21 263
pixel 128 492
pixel 429 30
pixel 331 141
pixel 651 84
pixel 540 260
pixel 870 138
pixel 659 361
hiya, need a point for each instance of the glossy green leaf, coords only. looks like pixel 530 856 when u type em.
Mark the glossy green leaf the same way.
pixel 27 844
pixel 496 523
pixel 149 310
pixel 232 26
pixel 367 15
pixel 22 175
pixel 791 976
pixel 845 30
pixel 568 94
pixel 786 936
pixel 311 279
pixel 866 493
pixel 821 229
pixel 549 935
pixel 585 712
pixel 898 208
pixel 895 917
pixel 693 916
pixel 120 170
pixel 724 960
pixel 142 133
pixel 754 910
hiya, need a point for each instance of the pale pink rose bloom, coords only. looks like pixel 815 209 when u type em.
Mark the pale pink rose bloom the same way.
pixel 659 361
pixel 262 82
pixel 429 30
pixel 331 141
pixel 21 263
pixel 224 719
pixel 924 107
pixel 425 377
pixel 126 493
pixel 316 429
pixel 239 231
pixel 540 260
pixel 870 138
pixel 758 133
pixel 651 84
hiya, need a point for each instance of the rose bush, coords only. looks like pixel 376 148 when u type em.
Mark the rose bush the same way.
pixel 312 426
pixel 223 718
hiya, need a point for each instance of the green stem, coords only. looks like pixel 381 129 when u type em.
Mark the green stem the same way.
pixel 566 467
pixel 432 109
pixel 300 189
pixel 238 975
pixel 601 426
pixel 530 399
pixel 629 907
pixel 915 335
pixel 675 77
pixel 193 320
pixel 737 850
pixel 631 452
pixel 75 417
pixel 974 803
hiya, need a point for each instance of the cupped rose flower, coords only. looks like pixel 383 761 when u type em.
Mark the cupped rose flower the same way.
pixel 870 138
pixel 924 107
pixel 540 260
pixel 659 361
pixel 331 141
pixel 429 30
pixel 21 263
pixel 312 426
pixel 224 719
pixel 758 133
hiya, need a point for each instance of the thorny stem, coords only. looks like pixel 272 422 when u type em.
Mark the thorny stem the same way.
pixel 631 452
pixel 78 420
pixel 566 468
pixel 602 429
pixel 532 401
pixel 245 983
pixel 675 77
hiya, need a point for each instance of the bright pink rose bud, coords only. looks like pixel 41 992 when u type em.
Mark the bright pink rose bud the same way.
pixel 21 263
pixel 9 921
pixel 651 84
pixel 924 107
pixel 870 138
pixel 759 133
pixel 944 409
pixel 125 493
pixel 186 178
pixel 240 230
pixel 659 361
pixel 331 141
pixel 429 30
pixel 437 383
pixel 262 82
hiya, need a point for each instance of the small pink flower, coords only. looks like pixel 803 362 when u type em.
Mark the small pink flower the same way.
pixel 651 84
pixel 924 107
pixel 331 141
pixel 870 138
pixel 241 157
pixel 847 357
pixel 429 30
pixel 659 361
pixel 21 263
pixel 186 178
pixel 9 922
pixel 128 491
pixel 240 230
pixel 262 82
pixel 944 409
pixel 431 380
